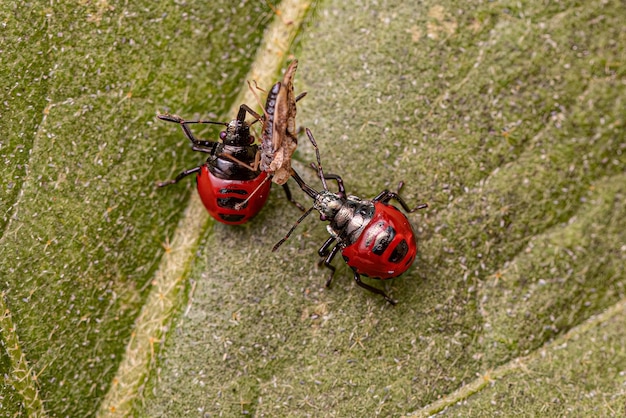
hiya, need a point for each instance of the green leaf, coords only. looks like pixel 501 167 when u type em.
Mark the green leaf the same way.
pixel 122 299
pixel 83 225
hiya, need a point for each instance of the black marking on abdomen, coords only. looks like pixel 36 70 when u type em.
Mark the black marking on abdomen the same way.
pixel 399 252
pixel 233 191
pixel 383 239
pixel 231 217
pixel 230 202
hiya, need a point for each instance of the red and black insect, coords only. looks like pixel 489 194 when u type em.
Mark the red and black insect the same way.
pixel 375 238
pixel 223 183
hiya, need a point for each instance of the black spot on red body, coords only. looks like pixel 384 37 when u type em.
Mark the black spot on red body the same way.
pixel 399 252
pixel 383 239
pixel 230 202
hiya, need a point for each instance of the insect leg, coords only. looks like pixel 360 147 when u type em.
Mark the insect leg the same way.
pixel 385 196
pixel 211 145
pixel 323 251
pixel 357 279
pixel 329 259
pixel 339 180
pixel 242 113
pixel 179 177
pixel 291 199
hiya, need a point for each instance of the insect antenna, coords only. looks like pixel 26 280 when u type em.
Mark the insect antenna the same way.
pixel 286 237
pixel 320 171
pixel 306 188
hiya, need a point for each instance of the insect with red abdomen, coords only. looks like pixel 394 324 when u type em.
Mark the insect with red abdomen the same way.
pixel 374 238
pixel 223 183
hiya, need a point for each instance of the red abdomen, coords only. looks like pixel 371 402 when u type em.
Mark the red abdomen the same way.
pixel 387 246
pixel 220 196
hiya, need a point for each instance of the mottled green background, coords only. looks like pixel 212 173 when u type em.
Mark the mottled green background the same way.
pixel 506 117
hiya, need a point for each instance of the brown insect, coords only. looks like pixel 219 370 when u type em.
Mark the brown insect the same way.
pixel 278 138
